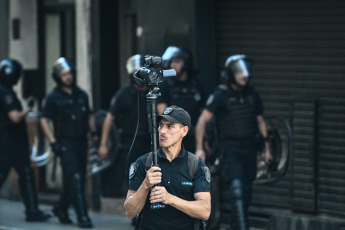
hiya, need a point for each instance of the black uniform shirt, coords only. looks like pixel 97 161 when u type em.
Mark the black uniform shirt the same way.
pixel 124 107
pixel 10 102
pixel 218 99
pixel 69 112
pixel 236 112
pixel 177 181
pixel 188 95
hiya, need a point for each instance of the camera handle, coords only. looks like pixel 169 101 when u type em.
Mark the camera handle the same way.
pixel 151 98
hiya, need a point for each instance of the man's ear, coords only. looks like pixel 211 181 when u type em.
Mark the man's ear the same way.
pixel 185 130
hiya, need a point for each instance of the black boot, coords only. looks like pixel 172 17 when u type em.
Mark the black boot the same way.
pixel 28 192
pixel 62 214
pixel 238 211
pixel 84 220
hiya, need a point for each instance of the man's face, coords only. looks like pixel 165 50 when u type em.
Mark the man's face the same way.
pixel 241 78
pixel 170 133
pixel 67 77
pixel 177 64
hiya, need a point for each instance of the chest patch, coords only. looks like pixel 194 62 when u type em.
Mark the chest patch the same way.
pixel 187 183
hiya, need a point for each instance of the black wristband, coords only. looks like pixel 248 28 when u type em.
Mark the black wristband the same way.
pixel 265 139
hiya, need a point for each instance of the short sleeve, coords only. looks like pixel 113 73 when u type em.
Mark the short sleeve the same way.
pixel 8 102
pixel 136 174
pixel 215 101
pixel 202 178
pixel 48 107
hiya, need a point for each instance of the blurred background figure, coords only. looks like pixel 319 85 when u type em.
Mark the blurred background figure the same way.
pixel 68 107
pixel 238 110
pixel 184 90
pixel 125 112
pixel 14 139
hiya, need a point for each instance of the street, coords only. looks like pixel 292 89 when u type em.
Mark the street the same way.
pixel 12 218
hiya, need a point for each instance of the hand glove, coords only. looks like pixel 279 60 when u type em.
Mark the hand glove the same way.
pixel 57 148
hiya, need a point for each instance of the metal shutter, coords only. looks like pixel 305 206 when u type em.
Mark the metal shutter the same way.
pixel 298 49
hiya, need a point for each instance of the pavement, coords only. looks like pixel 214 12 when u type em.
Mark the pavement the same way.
pixel 12 217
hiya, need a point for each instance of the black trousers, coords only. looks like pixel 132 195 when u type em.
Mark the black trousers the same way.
pixel 73 161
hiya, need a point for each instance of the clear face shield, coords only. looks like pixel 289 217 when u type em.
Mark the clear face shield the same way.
pixel 61 65
pixel 134 63
pixel 241 66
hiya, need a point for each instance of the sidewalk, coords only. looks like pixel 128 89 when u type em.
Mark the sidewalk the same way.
pixel 12 217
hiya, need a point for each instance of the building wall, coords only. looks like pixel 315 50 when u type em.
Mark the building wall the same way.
pixel 4 29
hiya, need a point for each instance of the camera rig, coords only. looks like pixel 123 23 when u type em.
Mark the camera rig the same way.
pixel 151 76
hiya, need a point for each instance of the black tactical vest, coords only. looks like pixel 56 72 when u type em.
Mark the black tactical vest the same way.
pixel 238 119
pixel 187 97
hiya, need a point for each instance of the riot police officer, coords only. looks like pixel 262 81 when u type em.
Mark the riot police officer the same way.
pixel 123 111
pixel 68 107
pixel 14 140
pixel 238 110
pixel 184 91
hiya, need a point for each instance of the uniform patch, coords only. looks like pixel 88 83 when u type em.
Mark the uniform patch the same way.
pixel 207 174
pixel 9 99
pixel 132 170
pixel 197 97
pixel 187 183
pixel 167 110
pixel 210 100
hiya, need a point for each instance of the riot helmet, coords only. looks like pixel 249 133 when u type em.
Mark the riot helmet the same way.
pixel 238 63
pixel 134 63
pixel 10 72
pixel 62 65
pixel 175 52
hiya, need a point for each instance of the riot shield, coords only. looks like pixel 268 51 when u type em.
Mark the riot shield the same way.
pixel 279 138
pixel 40 155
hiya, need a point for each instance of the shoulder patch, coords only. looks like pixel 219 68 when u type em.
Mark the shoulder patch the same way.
pixel 132 170
pixel 9 99
pixel 210 100
pixel 207 174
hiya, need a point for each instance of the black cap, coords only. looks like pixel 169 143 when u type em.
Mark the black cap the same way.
pixel 176 114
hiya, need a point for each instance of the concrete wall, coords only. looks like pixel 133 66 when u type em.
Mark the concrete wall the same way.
pixel 24 48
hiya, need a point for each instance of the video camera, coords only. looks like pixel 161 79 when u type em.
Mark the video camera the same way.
pixel 151 76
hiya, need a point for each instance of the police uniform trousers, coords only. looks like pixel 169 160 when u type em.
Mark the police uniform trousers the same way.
pixel 238 174
pixel 14 152
pixel 73 163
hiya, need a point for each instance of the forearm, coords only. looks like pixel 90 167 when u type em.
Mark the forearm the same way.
pixel 135 201
pixel 106 129
pixel 46 130
pixel 198 209
pixel 17 116
pixel 200 133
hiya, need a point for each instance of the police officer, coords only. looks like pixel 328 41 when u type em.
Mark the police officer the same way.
pixel 123 111
pixel 14 140
pixel 184 90
pixel 186 196
pixel 239 117
pixel 68 107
